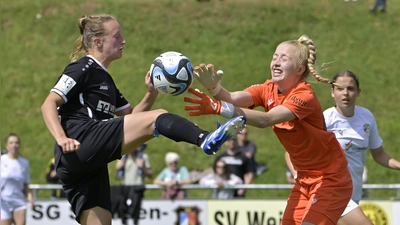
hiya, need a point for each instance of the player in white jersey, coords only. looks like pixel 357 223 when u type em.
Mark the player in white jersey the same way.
pixel 357 132
pixel 14 184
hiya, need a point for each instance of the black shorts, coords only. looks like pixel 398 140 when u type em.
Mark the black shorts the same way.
pixel 84 173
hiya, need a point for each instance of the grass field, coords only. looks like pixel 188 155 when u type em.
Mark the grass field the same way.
pixel 238 36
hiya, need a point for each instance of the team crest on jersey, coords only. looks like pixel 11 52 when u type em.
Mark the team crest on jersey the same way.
pixel 187 215
pixel 366 128
pixel 348 145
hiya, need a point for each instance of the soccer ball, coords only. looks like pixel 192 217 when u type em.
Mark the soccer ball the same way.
pixel 171 73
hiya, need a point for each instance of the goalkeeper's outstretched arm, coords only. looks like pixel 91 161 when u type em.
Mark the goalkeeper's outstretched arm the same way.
pixel 202 104
pixel 211 80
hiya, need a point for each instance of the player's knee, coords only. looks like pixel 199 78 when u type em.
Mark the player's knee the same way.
pixel 160 111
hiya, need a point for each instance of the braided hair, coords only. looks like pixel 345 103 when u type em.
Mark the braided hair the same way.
pixel 307 55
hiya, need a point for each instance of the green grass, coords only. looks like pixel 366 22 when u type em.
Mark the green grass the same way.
pixel 238 36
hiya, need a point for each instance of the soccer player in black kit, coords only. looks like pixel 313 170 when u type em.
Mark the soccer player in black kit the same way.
pixel 93 124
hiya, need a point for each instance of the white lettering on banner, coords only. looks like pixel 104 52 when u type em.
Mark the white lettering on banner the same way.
pixel 201 212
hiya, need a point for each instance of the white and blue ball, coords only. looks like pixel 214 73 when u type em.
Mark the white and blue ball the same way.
pixel 171 73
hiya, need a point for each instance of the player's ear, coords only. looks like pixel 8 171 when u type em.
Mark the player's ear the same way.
pixel 97 42
pixel 301 70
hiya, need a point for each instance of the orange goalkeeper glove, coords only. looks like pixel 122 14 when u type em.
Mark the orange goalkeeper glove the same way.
pixel 204 105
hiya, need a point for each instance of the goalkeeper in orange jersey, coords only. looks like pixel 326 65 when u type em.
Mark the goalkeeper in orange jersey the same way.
pixel 323 185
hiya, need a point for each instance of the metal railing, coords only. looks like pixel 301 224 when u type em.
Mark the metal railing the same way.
pixel 36 187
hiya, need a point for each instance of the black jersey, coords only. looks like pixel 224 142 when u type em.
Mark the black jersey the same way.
pixel 238 163
pixel 88 91
pixel 91 101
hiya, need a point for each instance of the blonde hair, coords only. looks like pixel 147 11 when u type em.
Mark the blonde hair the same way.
pixel 307 55
pixel 89 27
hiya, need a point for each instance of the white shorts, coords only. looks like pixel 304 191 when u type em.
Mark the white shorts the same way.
pixel 7 209
pixel 350 207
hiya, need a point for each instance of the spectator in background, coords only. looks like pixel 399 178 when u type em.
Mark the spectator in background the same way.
pixel 15 180
pixel 52 178
pixel 238 163
pixel 249 149
pixel 222 177
pixel 134 168
pixel 380 5
pixel 172 177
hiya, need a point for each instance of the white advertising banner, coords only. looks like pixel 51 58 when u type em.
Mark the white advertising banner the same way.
pixel 396 212
pixel 153 212
pixel 207 212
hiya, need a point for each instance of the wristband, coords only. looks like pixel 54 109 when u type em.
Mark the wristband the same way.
pixel 227 109
pixel 215 90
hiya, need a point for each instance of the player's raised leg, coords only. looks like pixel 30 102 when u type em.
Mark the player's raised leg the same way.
pixel 141 127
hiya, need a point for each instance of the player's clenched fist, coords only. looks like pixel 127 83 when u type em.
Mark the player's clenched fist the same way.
pixel 68 144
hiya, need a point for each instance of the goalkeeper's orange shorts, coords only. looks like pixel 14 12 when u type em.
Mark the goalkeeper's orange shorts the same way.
pixel 318 199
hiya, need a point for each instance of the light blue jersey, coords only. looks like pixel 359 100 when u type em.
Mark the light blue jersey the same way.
pixel 167 174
